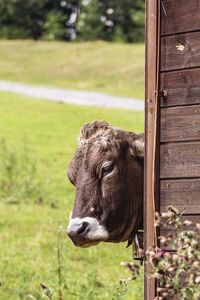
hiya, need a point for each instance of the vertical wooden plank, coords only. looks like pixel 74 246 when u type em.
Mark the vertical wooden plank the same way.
pixel 150 134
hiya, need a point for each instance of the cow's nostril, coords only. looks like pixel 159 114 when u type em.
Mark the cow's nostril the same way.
pixel 76 230
pixel 84 228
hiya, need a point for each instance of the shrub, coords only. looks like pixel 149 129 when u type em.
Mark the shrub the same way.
pixel 177 273
pixel 53 26
pixel 19 178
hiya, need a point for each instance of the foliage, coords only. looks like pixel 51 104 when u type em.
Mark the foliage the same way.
pixel 53 26
pixel 89 24
pixel 121 290
pixel 21 19
pixel 34 19
pixel 111 20
pixel 177 274
pixel 19 178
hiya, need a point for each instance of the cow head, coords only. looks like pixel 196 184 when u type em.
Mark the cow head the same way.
pixel 107 172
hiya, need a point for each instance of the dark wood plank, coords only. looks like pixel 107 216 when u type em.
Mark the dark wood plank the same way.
pixel 183 194
pixel 183 87
pixel 182 51
pixel 180 160
pixel 180 123
pixel 182 15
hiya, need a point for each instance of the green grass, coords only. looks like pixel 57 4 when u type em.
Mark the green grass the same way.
pixel 112 68
pixel 28 232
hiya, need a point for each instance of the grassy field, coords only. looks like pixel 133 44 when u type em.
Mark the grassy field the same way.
pixel 32 229
pixel 112 68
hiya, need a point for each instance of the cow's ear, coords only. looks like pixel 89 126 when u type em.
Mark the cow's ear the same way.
pixel 74 166
pixel 71 172
pixel 136 145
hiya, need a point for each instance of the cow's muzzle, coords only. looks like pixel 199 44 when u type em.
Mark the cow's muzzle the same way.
pixel 76 230
pixel 85 232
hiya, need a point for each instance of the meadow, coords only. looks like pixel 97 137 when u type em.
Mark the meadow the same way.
pixel 37 141
pixel 113 68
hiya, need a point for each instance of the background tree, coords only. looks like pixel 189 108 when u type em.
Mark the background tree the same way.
pixel 121 20
pixel 112 20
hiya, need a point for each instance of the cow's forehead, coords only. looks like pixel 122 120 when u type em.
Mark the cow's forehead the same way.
pixel 102 138
pixel 103 145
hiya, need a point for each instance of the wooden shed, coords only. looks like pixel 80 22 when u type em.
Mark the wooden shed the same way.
pixel 172 114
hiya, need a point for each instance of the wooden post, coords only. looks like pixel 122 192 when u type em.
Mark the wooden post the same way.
pixel 151 94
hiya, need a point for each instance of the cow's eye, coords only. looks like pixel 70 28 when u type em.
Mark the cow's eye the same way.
pixel 106 169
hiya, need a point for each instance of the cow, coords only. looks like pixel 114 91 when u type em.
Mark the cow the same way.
pixel 107 172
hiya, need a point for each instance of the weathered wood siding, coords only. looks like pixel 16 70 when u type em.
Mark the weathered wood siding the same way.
pixel 182 15
pixel 179 115
pixel 176 157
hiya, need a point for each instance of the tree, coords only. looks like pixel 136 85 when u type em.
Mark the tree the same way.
pixel 112 20
pixel 21 19
pixel 121 20
pixel 35 18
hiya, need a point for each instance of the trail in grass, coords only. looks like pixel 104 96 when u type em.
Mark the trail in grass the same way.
pixel 71 96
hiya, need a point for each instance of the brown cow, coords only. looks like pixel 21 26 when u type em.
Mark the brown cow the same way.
pixel 107 171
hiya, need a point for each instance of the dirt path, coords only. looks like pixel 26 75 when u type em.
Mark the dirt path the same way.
pixel 71 96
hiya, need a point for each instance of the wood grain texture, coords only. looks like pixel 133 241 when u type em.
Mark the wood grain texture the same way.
pixel 151 75
pixel 180 160
pixel 183 194
pixel 182 15
pixel 179 52
pixel 183 87
pixel 180 123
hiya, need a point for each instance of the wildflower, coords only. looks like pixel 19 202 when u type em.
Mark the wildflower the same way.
pixel 198 226
pixel 122 281
pixel 196 265
pixel 197 280
pixel 187 223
